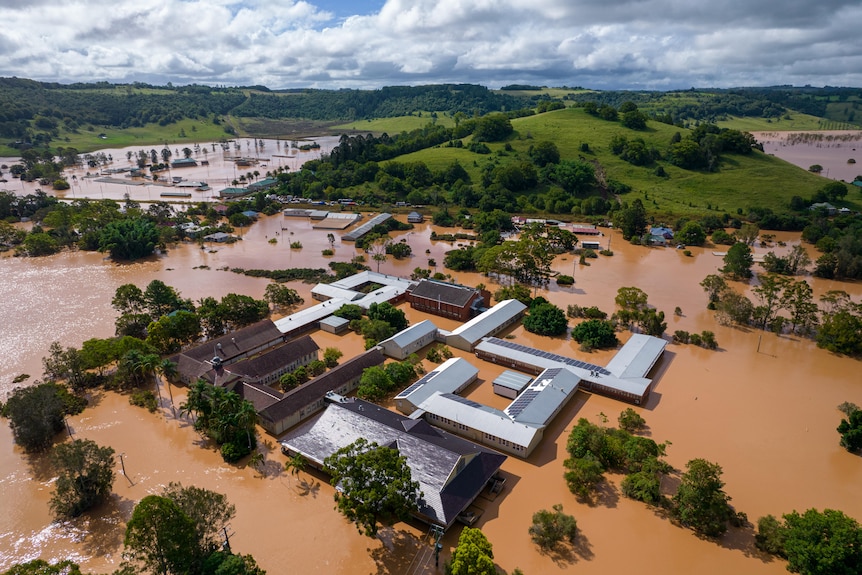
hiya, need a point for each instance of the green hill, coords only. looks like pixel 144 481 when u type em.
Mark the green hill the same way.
pixel 741 182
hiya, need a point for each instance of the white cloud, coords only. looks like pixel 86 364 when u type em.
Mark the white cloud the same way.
pixel 290 43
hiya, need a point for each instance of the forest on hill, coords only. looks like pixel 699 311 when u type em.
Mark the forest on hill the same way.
pixel 43 114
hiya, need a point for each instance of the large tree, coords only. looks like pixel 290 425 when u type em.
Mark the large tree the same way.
pixel 36 416
pixel 550 528
pixel 85 476
pixel 161 537
pixel 700 502
pixel 373 484
pixel 546 319
pixel 827 543
pixel 129 239
pixel 474 555
pixel 738 261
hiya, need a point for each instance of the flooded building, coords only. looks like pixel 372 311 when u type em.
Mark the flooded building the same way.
pixel 451 471
pixel 452 376
pixel 304 401
pixel 519 428
pixel 409 340
pixel 447 299
pixel 624 378
pixel 365 228
pixel 488 323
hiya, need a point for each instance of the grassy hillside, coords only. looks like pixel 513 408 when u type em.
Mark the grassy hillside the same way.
pixel 395 125
pixel 742 181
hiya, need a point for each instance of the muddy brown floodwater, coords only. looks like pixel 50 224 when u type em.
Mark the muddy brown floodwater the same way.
pixel 838 151
pixel 762 406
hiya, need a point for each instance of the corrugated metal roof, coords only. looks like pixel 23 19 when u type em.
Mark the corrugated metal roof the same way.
pixel 412 334
pixel 451 376
pixel 360 231
pixel 637 356
pixel 513 380
pixel 550 390
pixel 480 417
pixel 451 471
pixel 484 323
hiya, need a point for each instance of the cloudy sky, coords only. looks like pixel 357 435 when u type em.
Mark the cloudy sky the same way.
pixel 635 44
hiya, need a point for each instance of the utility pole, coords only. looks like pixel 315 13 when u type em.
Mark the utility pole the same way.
pixel 226 545
pixel 123 464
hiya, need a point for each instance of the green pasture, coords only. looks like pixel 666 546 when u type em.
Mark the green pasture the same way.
pixel 756 180
pixel 395 125
pixel 150 135
pixel 797 122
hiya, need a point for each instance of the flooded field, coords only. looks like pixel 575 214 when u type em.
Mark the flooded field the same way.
pixel 838 151
pixel 766 415
pixel 216 166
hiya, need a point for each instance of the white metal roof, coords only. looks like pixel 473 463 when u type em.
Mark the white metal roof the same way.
pixel 411 334
pixel 480 417
pixel 637 356
pixel 486 322
pixel 451 376
pixel 309 315
pixel 331 291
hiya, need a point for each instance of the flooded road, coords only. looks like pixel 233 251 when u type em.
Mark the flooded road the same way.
pixel 768 417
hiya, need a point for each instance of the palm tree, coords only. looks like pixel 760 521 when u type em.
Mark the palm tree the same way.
pixel 149 364
pixel 196 403
pixel 168 370
pixel 246 418
pixel 296 464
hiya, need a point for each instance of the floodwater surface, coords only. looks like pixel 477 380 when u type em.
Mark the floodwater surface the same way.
pixel 762 406
pixel 837 151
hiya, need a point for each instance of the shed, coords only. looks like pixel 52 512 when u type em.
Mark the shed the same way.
pixel 334 324
pixel 511 383
pixel 410 340
pixel 219 237
pixel 415 218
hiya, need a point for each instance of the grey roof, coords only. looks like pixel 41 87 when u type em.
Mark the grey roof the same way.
pixel 412 333
pixel 488 321
pixel 513 380
pixel 236 342
pixel 273 359
pixel 637 356
pixel 451 471
pixel 481 417
pixel 451 376
pixel 303 318
pixel 360 231
pixel 532 356
pixel 334 321
pixel 260 395
pixel 317 388
pixel 542 399
pixel 444 292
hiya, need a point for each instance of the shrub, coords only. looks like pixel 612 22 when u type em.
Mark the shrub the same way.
pixel 708 340
pixel 606 252
pixel 695 339
pixel 681 336
pixel 144 398
pixel 550 528
pixel 565 280
pixel 328 252
pixel 296 245
pixel 232 452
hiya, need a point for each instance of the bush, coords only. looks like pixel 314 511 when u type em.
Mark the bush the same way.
pixel 708 340
pixel 595 333
pixel 630 420
pixel 550 528
pixel 546 319
pixel 565 280
pixel 296 245
pixel 328 252
pixel 144 398
pixel 233 451
pixel 695 339
pixel 606 252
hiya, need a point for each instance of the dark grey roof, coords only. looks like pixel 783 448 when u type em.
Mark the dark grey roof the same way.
pixel 453 294
pixel 308 393
pixel 237 342
pixel 451 471
pixel 273 359
pixel 260 395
